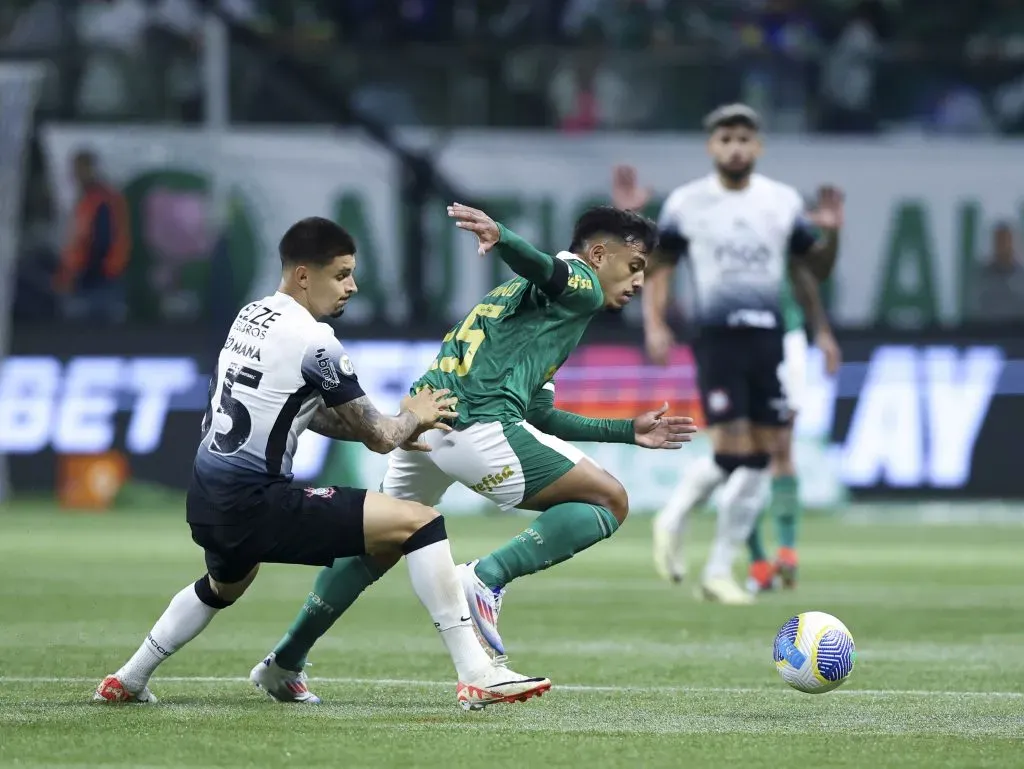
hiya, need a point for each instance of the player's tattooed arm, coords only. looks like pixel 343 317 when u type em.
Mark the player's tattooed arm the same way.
pixel 359 420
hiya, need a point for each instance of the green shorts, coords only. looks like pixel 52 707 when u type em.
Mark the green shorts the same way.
pixel 504 463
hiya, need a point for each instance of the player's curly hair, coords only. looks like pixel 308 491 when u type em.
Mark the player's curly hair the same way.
pixel 315 240
pixel 627 226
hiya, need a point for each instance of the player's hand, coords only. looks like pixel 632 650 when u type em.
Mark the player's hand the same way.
pixel 627 194
pixel 430 407
pixel 659 341
pixel 654 430
pixel 826 342
pixel 413 443
pixel 477 222
pixel 829 209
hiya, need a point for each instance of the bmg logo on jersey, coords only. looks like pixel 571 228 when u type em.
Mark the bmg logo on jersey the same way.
pixel 327 371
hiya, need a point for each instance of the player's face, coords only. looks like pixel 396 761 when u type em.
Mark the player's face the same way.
pixel 620 270
pixel 330 287
pixel 734 150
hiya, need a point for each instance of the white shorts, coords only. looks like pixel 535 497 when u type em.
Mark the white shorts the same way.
pixel 506 464
pixel 793 371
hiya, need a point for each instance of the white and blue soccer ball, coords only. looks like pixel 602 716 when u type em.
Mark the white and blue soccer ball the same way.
pixel 814 652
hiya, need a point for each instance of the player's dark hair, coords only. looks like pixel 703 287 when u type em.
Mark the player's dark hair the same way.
pixel 732 115
pixel 627 226
pixel 314 240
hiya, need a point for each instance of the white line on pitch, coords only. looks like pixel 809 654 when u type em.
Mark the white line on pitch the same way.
pixel 564 687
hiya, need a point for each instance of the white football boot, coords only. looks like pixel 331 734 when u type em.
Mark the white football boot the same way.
pixel 498 684
pixel 724 590
pixel 280 684
pixel 113 690
pixel 668 557
pixel 484 606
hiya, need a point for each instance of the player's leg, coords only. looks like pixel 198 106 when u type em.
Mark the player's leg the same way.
pixel 518 466
pixel 411 476
pixel 739 503
pixel 231 569
pixel 322 525
pixel 699 480
pixel 785 504
pixel 720 386
pixel 722 378
pixel 579 503
pixel 761 574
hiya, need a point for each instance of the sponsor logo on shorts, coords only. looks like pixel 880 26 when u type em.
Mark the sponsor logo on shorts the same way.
pixel 325 492
pixel 490 482
pixel 781 407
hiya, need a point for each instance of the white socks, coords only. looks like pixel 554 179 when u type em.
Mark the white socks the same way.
pixel 436 584
pixel 697 484
pixel 182 620
pixel 739 504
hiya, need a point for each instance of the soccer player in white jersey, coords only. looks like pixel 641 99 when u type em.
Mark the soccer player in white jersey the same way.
pixel 280 372
pixel 748 244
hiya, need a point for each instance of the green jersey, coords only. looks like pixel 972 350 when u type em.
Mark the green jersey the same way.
pixel 502 353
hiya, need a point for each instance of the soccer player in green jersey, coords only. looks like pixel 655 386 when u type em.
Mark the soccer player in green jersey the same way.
pixel 509 443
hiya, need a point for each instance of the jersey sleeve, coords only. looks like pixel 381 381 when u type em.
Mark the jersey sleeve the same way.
pixel 804 234
pixel 575 286
pixel 673 244
pixel 327 368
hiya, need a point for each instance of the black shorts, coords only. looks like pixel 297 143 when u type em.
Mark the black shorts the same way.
pixel 281 523
pixel 738 374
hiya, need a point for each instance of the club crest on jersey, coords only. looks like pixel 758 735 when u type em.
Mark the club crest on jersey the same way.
pixel 718 401
pixel 328 373
pixel 324 492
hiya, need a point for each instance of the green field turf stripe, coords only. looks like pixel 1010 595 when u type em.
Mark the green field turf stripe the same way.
pixel 565 687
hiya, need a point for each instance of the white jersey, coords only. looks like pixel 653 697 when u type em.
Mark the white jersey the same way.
pixel 738 243
pixel 276 367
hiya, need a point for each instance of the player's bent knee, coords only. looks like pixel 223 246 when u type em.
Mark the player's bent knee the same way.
pixel 614 497
pixel 224 592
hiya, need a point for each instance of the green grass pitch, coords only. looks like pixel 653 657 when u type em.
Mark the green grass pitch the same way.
pixel 644 675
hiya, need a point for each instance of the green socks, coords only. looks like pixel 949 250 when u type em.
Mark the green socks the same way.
pixel 336 588
pixel 786 509
pixel 556 535
pixel 754 543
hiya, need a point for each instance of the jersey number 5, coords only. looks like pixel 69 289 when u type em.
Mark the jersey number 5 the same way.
pixel 474 337
pixel 241 422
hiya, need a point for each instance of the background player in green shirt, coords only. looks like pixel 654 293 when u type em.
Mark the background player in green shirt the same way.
pixel 510 443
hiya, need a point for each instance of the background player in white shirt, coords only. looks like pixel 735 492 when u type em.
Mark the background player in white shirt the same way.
pixel 280 372
pixel 748 244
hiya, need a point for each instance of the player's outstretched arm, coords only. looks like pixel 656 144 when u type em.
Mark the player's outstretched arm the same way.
pixel 525 260
pixel 359 420
pixel 651 430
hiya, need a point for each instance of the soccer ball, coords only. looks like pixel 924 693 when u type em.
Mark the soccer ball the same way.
pixel 814 652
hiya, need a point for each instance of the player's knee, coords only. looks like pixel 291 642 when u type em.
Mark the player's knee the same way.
pixel 417 522
pixel 212 592
pixel 614 497
pixel 782 461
